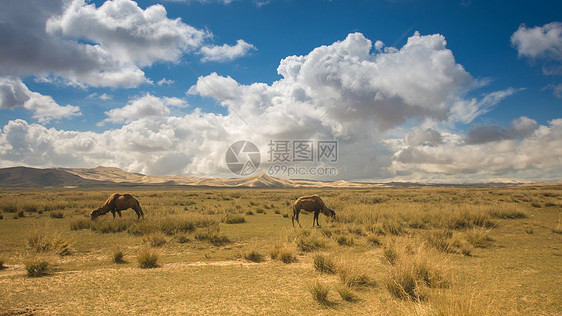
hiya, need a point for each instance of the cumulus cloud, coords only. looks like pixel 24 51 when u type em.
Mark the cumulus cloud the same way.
pixel 145 107
pixel 518 129
pixel 345 91
pixel 226 52
pixel 542 43
pixel 85 45
pixel 488 150
pixel 539 41
pixel 14 93
pixel 127 32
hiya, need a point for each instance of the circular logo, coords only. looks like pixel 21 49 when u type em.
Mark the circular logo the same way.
pixel 243 158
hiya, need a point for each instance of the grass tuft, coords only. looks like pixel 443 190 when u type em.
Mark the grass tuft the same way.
pixel 42 242
pixel 234 219
pixel 37 268
pixel 320 292
pixel 347 294
pixel 324 264
pixel 57 214
pixel 254 256
pixel 118 257
pixel 147 259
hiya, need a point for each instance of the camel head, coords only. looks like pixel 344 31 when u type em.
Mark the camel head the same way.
pixel 329 212
pixel 95 214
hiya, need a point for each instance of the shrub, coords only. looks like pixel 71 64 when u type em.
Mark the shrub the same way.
pixel 374 240
pixel 393 228
pixel 182 239
pixel 440 240
pixel 345 241
pixel 390 254
pixel 249 213
pixel 9 208
pixel 37 268
pixel 213 236
pixel 1 216
pixel 324 264
pixel 2 266
pixel 284 254
pixel 156 239
pixel 80 223
pixel 308 242
pixel 253 256
pixel 42 242
pixel 287 256
pixel 234 219
pixel 346 293
pixel 260 211
pixel 352 277
pixel 509 214
pixel 478 238
pixel 147 259
pixel 30 208
pixel 320 292
pixel 413 271
pixel 118 257
pixel 21 214
pixel 106 227
pixel 58 214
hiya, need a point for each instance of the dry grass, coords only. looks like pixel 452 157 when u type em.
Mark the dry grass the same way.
pixel 147 259
pixel 320 292
pixel 401 252
pixel 37 268
pixel 324 264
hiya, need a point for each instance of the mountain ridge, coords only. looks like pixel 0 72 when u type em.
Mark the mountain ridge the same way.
pixel 65 177
pixel 74 177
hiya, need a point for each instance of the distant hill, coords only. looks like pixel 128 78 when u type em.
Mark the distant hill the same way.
pixel 61 177
pixel 65 177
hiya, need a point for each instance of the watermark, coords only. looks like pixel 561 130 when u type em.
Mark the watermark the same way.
pixel 243 158
pixel 285 170
pixel 285 157
pixel 288 151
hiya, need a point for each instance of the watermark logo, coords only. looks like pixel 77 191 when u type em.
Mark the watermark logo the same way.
pixel 307 158
pixel 243 158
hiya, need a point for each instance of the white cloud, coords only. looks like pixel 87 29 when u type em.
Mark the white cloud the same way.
pixel 544 43
pixel 539 41
pixel 83 45
pixel 226 52
pixel 127 32
pixel 165 81
pixel 342 91
pixel 14 93
pixel 146 107
pixel 540 148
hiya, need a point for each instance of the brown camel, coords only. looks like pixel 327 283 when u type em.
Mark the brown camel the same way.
pixel 117 203
pixel 311 204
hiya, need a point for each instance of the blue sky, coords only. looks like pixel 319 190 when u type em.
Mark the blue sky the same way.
pixel 411 90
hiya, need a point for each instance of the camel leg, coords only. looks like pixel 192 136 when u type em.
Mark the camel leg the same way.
pixel 315 219
pixel 298 220
pixel 119 212
pixel 113 212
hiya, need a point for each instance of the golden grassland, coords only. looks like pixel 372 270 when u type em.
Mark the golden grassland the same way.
pixel 391 251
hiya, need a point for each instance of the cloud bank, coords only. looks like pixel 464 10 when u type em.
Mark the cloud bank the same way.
pixel 392 110
pixel 84 45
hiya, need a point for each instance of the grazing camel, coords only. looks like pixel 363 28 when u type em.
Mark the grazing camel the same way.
pixel 310 204
pixel 117 203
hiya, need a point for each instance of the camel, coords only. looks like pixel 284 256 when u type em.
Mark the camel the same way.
pixel 117 203
pixel 310 204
